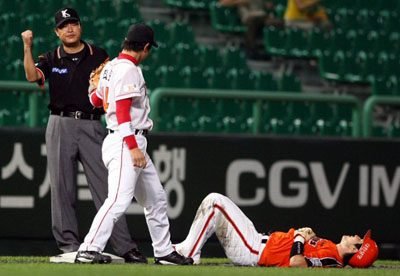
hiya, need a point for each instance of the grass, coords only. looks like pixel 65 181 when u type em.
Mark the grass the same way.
pixel 214 267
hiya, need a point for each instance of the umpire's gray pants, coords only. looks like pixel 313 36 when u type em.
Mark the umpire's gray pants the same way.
pixel 68 141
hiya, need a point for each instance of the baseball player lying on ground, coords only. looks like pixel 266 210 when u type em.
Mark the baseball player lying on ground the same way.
pixel 243 245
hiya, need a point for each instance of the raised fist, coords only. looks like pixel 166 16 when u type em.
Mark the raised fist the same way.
pixel 27 38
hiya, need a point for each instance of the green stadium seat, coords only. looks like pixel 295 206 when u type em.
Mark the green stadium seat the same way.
pixel 233 125
pixel 300 118
pixel 207 112
pixel 161 32
pixel 385 86
pixel 38 25
pixel 391 66
pixel 40 46
pixel 113 47
pixel 225 19
pixel 351 67
pixel 329 65
pixel 240 79
pixel 343 120
pixel 152 77
pixel 394 131
pixel 183 114
pixel 196 78
pixel 109 28
pixel 31 7
pixel 389 21
pixel 275 117
pixel 379 132
pixel 90 31
pixel 265 82
pixel 289 83
pixel 188 4
pixel 16 69
pixel 53 6
pixel 11 26
pixel 234 58
pixel 342 40
pixel 233 117
pixel 166 115
pixel 318 41
pixel 345 19
pixel 274 40
pixel 217 78
pixel 181 33
pixel 161 56
pixel 323 119
pixel 296 42
pixel 7 7
pixel 187 55
pixel 171 77
pixel 388 43
pixel 128 9
pixel 210 57
pixel 84 7
pixel 365 41
pixel 104 8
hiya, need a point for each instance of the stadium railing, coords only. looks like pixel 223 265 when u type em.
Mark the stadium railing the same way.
pixel 368 109
pixel 159 94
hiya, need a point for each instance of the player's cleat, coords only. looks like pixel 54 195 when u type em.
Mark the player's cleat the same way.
pixel 134 257
pixel 173 259
pixel 92 257
pixel 180 249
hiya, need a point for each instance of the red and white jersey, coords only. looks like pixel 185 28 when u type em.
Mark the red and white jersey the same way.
pixel 317 252
pixel 121 79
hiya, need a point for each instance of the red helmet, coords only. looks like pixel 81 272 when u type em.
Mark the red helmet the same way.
pixel 367 254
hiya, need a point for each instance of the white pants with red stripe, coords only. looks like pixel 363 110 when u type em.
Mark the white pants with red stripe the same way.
pixel 236 233
pixel 125 182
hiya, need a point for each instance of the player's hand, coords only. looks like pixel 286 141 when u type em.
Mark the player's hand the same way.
pixel 27 38
pixel 138 158
pixel 306 232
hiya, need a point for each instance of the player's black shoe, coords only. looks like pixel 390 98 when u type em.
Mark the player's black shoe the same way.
pixel 134 257
pixel 173 259
pixel 92 257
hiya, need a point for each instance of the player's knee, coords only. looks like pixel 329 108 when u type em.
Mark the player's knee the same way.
pixel 212 198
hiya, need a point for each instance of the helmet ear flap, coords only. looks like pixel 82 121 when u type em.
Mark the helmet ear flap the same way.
pixel 367 254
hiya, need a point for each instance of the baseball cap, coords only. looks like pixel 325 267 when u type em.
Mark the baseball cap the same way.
pixel 66 14
pixel 367 253
pixel 141 33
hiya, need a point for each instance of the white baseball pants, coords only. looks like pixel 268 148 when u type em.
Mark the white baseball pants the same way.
pixel 236 233
pixel 125 182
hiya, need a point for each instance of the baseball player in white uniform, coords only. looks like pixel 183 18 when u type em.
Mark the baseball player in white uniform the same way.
pixel 131 173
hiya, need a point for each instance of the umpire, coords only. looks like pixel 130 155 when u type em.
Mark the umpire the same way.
pixel 74 131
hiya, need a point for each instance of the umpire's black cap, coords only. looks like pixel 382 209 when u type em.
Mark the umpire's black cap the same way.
pixel 141 33
pixel 64 15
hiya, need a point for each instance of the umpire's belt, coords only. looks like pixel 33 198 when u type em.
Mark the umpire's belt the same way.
pixel 137 131
pixel 78 115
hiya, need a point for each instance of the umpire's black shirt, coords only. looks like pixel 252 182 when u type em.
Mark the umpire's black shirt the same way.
pixel 69 80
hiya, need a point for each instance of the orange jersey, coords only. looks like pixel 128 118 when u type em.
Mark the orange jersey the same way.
pixel 317 252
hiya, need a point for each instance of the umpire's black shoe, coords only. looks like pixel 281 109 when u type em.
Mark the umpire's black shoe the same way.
pixel 92 257
pixel 134 257
pixel 173 259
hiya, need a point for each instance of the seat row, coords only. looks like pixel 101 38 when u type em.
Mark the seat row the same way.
pixel 92 8
pixel 359 67
pixel 235 116
pixel 217 78
pixel 312 43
